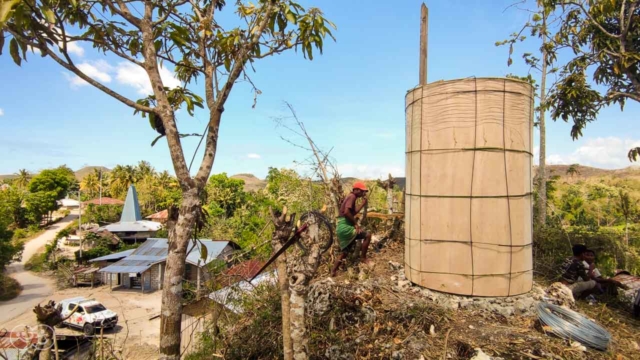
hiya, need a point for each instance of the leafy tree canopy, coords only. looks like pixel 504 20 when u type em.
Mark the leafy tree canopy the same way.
pixel 604 38
pixel 57 181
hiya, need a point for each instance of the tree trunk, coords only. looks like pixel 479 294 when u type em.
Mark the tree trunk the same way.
pixel 298 286
pixel 280 236
pixel 542 172
pixel 283 283
pixel 301 271
pixel 626 232
pixel 171 311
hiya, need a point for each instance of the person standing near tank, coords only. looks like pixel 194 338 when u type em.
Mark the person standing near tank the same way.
pixel 347 229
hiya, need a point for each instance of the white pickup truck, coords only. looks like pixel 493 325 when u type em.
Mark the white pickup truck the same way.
pixel 89 316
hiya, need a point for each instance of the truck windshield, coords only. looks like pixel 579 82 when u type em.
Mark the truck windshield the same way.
pixel 94 308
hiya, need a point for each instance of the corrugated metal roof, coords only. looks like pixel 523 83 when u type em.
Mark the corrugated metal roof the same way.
pixel 156 250
pixel 136 226
pixel 17 339
pixel 161 215
pixel 116 256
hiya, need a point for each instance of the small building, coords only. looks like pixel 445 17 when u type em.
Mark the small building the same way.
pixel 143 268
pixel 160 216
pixel 68 203
pixel 132 227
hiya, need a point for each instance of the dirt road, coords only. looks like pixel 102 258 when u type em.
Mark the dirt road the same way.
pixel 34 288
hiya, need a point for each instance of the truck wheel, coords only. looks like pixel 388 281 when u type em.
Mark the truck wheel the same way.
pixel 88 329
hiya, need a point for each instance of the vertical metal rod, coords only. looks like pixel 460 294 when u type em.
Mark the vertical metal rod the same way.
pixel 100 186
pixel 424 41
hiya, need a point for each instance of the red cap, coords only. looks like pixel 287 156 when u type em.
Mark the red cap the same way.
pixel 360 185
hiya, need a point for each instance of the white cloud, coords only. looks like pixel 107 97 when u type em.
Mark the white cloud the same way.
pixel 135 76
pixel 606 152
pixel 254 156
pixel 75 49
pixel 363 171
pixel 555 159
pixel 1 112
pixel 98 70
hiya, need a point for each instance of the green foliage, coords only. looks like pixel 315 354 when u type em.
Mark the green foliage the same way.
pixel 552 245
pixel 224 195
pixel 92 253
pixel 188 37
pixel 37 263
pixel 11 201
pixel 54 181
pixel 102 214
pixel 10 250
pixel 300 195
pixel 604 37
pixel 39 204
pixel 252 338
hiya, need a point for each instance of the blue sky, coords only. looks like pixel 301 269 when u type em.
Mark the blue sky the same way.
pixel 351 98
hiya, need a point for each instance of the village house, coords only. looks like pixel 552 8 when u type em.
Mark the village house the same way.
pixel 161 216
pixel 143 268
pixel 132 228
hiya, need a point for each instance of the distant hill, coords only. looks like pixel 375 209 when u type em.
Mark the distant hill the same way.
pixel 80 174
pixel 7 177
pixel 587 171
pixel 251 182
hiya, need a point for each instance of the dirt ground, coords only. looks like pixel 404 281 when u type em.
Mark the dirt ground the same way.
pixel 457 333
pixel 139 334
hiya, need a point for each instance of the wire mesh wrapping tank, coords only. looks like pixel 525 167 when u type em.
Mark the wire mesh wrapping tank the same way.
pixel 468 199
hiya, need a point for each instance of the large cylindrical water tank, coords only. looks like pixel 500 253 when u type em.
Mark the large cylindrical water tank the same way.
pixel 468 216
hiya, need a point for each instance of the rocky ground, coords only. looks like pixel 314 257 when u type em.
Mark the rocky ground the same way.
pixel 376 313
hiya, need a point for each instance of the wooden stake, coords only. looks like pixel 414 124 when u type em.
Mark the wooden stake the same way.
pixel 424 41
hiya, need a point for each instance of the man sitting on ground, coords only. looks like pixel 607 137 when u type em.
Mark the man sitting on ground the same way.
pixel 348 230
pixel 576 276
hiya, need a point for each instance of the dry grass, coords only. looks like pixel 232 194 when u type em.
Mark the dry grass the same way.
pixel 403 320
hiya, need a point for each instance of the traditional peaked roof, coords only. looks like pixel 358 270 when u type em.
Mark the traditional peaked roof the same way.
pixel 155 251
pixel 131 210
pixel 105 201
pixel 131 219
pixel 160 215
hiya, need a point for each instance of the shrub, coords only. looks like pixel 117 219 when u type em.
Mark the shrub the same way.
pixel 552 245
pixel 91 254
pixel 9 288
pixel 37 263
pixel 20 234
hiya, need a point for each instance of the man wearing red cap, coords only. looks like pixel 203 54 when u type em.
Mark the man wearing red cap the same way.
pixel 348 230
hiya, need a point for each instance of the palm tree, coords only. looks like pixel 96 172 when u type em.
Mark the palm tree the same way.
pixel 573 170
pixel 144 168
pixel 24 176
pixel 90 184
pixel 119 181
pixel 103 180
pixel 165 180
pixel 627 208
